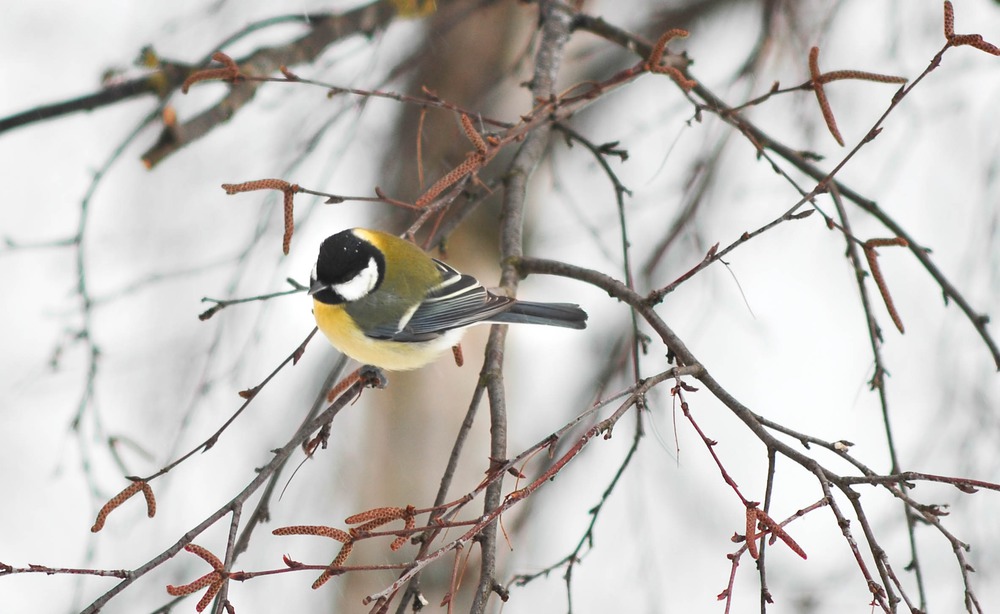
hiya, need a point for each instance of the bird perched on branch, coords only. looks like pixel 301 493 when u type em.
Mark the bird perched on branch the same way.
pixel 384 302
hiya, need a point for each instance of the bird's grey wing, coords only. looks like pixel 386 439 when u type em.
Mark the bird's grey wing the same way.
pixel 457 301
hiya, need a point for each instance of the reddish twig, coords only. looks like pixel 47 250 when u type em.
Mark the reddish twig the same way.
pixel 824 104
pixel 288 189
pixel 213 580
pixel 126 494
pixel 957 40
pixel 750 546
pixel 336 534
pixel 230 72
pixel 654 62
pixel 872 257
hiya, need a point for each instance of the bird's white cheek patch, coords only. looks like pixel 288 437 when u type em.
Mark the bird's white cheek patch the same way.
pixel 360 285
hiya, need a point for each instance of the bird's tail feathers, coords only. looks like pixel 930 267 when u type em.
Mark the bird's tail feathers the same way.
pixel 566 315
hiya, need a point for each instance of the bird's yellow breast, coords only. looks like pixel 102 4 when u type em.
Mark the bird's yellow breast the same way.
pixel 343 333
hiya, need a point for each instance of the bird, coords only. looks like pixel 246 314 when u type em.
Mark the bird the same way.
pixel 383 301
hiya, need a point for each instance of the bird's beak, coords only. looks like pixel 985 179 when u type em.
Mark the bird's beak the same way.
pixel 316 286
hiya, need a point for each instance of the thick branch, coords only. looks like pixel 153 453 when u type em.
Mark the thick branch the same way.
pixel 555 31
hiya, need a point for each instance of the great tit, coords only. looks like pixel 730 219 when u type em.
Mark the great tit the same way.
pixel 384 302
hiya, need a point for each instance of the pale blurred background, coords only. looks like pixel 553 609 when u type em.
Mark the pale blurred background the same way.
pixel 782 329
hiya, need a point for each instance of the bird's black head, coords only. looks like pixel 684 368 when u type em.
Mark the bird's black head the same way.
pixel 348 268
